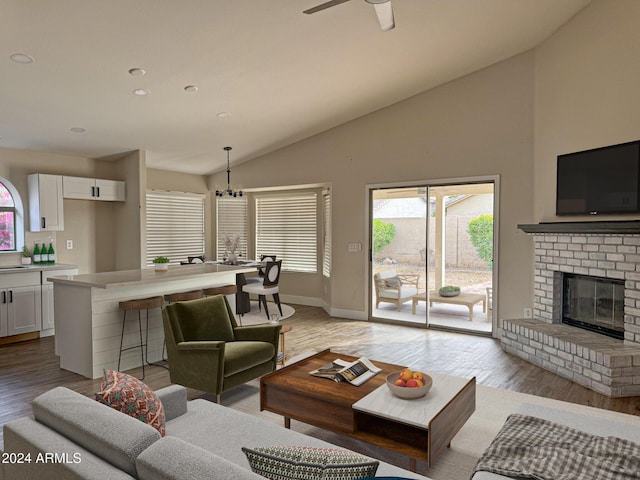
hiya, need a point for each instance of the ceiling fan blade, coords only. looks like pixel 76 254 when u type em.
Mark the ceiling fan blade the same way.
pixel 385 15
pixel 325 5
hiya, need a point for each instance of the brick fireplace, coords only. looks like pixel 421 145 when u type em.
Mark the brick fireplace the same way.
pixel 605 250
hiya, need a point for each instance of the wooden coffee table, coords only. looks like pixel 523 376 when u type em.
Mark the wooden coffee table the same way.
pixel 466 299
pixel 420 429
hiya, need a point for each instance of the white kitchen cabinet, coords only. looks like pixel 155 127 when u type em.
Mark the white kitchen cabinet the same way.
pixel 82 188
pixel 20 303
pixel 48 319
pixel 46 210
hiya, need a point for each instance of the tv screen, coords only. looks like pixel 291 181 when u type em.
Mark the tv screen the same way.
pixel 599 181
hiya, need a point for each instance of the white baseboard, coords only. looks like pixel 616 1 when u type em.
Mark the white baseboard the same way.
pixel 299 300
pixel 318 302
pixel 349 314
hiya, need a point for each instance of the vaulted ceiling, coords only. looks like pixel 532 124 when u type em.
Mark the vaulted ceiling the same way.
pixel 262 73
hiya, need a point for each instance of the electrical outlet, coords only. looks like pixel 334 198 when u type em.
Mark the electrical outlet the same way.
pixel 69 244
pixel 528 312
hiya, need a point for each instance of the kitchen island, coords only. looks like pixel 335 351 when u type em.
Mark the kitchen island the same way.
pixel 88 319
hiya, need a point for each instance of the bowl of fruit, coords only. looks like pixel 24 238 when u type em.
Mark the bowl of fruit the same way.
pixel 409 384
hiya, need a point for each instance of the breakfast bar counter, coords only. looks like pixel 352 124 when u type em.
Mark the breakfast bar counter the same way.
pixel 88 318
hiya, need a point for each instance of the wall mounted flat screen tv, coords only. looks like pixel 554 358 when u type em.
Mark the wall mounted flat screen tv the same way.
pixel 599 181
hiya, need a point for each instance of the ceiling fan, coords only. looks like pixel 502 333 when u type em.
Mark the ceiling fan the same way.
pixel 383 11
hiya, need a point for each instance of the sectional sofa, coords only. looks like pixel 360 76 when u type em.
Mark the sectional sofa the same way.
pixel 589 424
pixel 79 438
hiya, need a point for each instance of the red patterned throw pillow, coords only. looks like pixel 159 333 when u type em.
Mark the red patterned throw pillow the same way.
pixel 130 396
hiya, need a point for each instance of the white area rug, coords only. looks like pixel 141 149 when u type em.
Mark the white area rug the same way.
pixel 256 317
pixel 492 408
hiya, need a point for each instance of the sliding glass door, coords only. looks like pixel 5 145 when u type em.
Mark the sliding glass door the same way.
pixel 432 253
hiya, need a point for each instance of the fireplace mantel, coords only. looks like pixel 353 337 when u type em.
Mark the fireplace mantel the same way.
pixel 607 226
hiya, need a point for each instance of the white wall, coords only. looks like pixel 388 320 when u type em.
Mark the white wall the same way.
pixel 587 91
pixel 100 236
pixel 477 125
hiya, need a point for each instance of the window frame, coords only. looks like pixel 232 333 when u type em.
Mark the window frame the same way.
pixel 176 252
pixel 310 263
pixel 18 216
pixel 326 233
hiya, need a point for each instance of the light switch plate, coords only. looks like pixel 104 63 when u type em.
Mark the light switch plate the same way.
pixel 354 247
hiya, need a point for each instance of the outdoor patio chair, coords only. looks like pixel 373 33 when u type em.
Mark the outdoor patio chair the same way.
pixel 393 288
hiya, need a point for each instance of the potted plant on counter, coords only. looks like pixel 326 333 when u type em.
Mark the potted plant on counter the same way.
pixel 161 264
pixel 26 255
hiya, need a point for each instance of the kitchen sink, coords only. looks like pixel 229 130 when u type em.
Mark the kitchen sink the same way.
pixel 14 266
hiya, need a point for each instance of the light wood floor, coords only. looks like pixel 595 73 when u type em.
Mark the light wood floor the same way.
pixel 30 368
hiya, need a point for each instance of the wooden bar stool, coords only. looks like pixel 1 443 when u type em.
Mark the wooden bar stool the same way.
pixel 139 305
pixel 222 290
pixel 184 296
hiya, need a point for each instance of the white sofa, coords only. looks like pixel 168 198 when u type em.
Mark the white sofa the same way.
pixel 589 424
pixel 203 440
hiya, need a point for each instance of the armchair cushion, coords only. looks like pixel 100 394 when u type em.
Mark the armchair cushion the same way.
pixel 240 356
pixel 398 293
pixel 218 325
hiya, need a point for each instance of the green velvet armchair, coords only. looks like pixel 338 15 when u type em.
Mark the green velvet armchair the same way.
pixel 208 351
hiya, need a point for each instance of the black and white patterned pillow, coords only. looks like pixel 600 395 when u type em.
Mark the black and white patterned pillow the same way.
pixel 309 463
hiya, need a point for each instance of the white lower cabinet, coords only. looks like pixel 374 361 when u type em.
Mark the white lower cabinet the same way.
pixel 20 303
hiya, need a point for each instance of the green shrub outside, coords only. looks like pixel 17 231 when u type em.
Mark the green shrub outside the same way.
pixel 383 234
pixel 480 231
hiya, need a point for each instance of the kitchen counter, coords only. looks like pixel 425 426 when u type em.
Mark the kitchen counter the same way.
pixel 133 278
pixel 35 268
pixel 89 321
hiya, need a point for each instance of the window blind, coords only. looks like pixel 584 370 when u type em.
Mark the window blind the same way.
pixel 326 256
pixel 286 226
pixel 175 225
pixel 231 220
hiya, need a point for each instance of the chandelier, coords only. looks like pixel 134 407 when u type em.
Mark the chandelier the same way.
pixel 229 191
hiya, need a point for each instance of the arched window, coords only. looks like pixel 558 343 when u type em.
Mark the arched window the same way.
pixel 11 217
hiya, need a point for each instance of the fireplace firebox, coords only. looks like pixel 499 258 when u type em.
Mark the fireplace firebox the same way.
pixel 594 303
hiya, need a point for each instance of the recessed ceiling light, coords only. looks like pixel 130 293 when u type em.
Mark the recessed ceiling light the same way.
pixel 21 58
pixel 190 88
pixel 137 72
pixel 78 129
pixel 141 92
pixel 222 115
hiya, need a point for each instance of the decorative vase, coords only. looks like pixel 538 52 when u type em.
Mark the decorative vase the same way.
pixel 232 258
pixel 161 267
pixel 26 260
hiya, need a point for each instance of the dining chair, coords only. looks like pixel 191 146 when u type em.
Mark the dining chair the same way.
pixel 269 286
pixel 260 277
pixel 194 259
